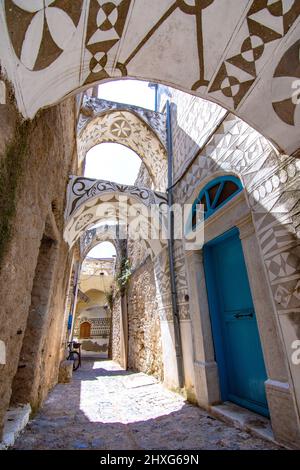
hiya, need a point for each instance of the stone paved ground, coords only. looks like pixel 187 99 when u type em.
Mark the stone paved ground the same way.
pixel 108 408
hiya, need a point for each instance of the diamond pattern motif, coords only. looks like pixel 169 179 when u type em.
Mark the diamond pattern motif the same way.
pixel 265 23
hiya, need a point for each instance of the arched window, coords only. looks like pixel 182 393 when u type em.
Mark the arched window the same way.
pixel 215 194
pixel 85 330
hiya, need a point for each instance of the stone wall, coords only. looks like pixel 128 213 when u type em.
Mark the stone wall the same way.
pixel 115 329
pixel 144 345
pixel 143 179
pixel 36 158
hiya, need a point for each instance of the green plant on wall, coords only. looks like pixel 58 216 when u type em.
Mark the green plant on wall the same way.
pixel 110 298
pixel 123 274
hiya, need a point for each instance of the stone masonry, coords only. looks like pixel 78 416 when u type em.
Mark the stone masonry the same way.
pixel 144 349
pixel 43 150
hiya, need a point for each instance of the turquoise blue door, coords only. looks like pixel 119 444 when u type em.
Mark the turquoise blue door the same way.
pixel 236 339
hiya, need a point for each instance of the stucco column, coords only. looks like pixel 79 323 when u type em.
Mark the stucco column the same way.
pixel 206 370
pixel 74 298
pixel 282 406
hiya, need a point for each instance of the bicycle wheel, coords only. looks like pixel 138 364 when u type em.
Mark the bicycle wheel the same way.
pixel 76 360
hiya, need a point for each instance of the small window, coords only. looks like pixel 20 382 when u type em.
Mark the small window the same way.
pixel 213 191
pixel 215 194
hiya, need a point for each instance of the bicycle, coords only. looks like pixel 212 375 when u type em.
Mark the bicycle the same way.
pixel 73 355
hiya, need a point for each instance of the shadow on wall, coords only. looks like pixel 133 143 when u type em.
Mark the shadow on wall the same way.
pixel 271 194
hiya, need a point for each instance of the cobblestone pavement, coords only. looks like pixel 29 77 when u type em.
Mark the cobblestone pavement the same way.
pixel 108 408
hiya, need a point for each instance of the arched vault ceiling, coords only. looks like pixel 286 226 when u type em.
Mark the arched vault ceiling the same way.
pixel 242 54
pixel 93 201
pixel 94 236
pixel 92 107
pixel 129 128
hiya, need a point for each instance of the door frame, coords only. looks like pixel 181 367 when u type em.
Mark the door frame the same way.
pixel 217 330
pixel 214 317
pixel 236 213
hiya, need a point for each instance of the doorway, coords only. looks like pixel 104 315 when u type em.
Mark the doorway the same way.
pixel 85 330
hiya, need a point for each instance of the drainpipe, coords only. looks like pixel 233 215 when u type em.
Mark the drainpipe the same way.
pixel 156 97
pixel 154 86
pixel 95 91
pixel 175 311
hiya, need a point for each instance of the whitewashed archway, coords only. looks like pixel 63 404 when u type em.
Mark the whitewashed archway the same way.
pixel 243 55
pixel 140 211
pixel 141 130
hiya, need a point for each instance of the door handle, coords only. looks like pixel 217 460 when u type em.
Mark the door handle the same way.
pixel 242 315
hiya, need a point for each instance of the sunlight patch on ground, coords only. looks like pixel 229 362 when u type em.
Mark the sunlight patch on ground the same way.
pixel 118 396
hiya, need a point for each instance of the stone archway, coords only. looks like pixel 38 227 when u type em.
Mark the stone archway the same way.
pixel 95 236
pixel 141 130
pixel 170 42
pixel 88 202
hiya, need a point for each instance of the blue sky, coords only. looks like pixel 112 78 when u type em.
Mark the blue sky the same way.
pixel 115 162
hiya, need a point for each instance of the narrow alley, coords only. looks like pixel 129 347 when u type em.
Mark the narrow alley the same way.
pixel 149 227
pixel 107 408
